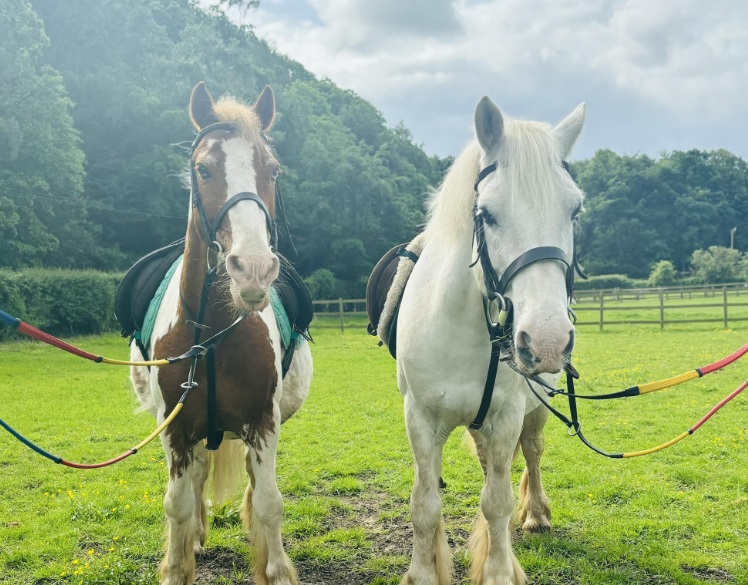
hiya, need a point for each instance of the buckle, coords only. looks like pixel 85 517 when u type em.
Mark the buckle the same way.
pixel 498 309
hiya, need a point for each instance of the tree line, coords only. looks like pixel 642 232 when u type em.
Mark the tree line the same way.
pixel 94 124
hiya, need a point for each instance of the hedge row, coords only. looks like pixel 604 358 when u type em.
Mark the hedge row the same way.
pixel 608 281
pixel 60 302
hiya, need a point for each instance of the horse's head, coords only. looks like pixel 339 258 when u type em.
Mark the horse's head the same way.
pixel 233 172
pixel 526 209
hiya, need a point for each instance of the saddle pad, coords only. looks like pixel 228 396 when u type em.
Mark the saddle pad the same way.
pixel 281 317
pixel 385 289
pixel 295 296
pixel 149 321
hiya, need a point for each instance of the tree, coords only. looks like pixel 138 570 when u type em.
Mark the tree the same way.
pixel 717 264
pixel 663 274
pixel 42 213
pixel 640 210
pixel 351 184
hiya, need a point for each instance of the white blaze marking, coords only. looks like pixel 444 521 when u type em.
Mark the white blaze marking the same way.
pixel 248 228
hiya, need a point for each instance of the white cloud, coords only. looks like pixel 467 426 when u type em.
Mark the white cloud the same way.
pixel 656 73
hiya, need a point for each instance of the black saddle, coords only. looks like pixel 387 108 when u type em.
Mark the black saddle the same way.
pixel 140 283
pixel 139 286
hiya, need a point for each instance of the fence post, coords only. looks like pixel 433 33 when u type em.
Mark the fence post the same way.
pixel 342 315
pixel 602 296
pixel 662 311
pixel 724 303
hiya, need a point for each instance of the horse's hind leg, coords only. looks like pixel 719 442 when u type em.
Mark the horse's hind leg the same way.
pixel 263 506
pixel 178 566
pixel 201 467
pixel 431 562
pixel 535 514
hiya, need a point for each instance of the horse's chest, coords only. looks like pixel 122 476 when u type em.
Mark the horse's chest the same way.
pixel 246 380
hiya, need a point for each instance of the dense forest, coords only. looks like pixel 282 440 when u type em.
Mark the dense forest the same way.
pixel 93 123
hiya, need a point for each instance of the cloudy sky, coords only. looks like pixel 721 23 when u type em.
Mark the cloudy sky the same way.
pixel 656 74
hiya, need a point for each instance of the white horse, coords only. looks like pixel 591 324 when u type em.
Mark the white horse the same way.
pixel 526 202
pixel 230 224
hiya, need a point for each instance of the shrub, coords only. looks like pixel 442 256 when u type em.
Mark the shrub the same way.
pixel 663 274
pixel 717 264
pixel 322 284
pixel 60 302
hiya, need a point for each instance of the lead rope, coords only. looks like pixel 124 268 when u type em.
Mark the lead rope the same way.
pixel 195 353
pixel 575 426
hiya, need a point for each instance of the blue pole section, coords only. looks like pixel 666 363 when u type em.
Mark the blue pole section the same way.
pixel 28 443
pixel 9 320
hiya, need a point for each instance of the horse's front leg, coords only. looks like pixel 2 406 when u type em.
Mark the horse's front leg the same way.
pixel 494 562
pixel 178 566
pixel 201 467
pixel 535 514
pixel 263 509
pixel 431 561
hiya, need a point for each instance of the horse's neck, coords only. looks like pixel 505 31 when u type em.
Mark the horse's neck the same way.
pixel 450 288
pixel 194 270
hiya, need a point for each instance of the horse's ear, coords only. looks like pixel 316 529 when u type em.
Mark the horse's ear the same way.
pixel 569 128
pixel 265 108
pixel 489 124
pixel 201 107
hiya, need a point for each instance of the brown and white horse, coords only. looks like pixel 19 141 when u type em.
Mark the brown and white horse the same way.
pixel 230 157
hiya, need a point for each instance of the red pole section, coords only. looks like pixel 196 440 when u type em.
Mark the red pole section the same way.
pixel 724 361
pixel 27 329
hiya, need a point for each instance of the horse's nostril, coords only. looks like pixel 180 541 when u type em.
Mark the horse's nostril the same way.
pixel 273 267
pixel 234 264
pixel 525 338
pixel 570 345
pixel 526 356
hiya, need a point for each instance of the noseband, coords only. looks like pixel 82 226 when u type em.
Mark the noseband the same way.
pixel 500 330
pixel 209 227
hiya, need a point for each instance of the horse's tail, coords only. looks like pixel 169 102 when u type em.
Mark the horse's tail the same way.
pixel 228 471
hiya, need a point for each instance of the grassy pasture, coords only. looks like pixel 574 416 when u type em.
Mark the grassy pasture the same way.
pixel 680 516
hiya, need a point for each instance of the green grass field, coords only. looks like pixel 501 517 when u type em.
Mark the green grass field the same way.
pixel 345 469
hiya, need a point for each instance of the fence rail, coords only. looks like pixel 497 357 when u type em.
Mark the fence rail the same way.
pixel 600 304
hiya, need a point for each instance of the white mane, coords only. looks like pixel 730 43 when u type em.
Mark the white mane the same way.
pixel 524 145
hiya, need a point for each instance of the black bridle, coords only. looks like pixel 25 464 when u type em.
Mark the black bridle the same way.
pixel 500 329
pixel 209 232
pixel 209 226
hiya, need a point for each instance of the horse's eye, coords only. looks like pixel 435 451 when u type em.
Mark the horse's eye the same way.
pixel 276 173
pixel 203 172
pixel 488 219
pixel 575 215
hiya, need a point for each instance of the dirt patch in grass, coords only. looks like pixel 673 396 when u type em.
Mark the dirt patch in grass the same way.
pixel 713 574
pixel 389 535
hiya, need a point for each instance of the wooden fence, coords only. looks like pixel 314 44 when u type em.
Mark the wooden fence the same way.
pixel 598 307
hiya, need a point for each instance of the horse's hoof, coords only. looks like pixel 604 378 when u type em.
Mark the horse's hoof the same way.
pixel 442 483
pixel 536 526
